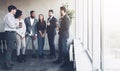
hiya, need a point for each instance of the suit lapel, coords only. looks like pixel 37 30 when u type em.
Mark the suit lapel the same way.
pixel 29 21
pixel 50 18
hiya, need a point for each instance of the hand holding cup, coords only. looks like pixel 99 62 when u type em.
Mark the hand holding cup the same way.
pixel 20 24
pixel 48 22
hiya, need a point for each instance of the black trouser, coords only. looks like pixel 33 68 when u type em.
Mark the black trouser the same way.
pixel 10 41
pixel 51 38
pixel 63 49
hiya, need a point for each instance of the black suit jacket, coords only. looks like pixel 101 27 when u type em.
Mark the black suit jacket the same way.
pixel 64 27
pixel 51 28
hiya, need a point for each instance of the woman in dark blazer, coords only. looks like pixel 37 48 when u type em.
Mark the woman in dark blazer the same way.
pixel 41 29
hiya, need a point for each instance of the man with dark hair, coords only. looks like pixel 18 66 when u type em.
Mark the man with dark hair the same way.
pixel 51 11
pixel 63 36
pixel 51 26
pixel 32 14
pixel 11 7
pixel 62 8
pixel 31 31
pixel 10 34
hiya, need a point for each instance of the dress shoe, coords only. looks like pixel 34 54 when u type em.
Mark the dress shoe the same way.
pixel 23 58
pixel 12 64
pixel 41 56
pixel 7 67
pixel 64 64
pixel 34 56
pixel 57 61
pixel 19 59
pixel 51 56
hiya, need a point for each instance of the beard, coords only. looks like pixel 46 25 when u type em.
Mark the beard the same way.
pixel 49 15
pixel 61 14
pixel 32 17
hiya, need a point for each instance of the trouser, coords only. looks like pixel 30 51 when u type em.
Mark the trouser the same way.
pixel 41 41
pixel 20 45
pixel 51 38
pixel 10 41
pixel 28 39
pixel 63 53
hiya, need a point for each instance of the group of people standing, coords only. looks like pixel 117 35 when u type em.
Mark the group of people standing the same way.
pixel 19 31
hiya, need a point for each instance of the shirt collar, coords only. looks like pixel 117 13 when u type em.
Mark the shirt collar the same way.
pixel 11 14
pixel 64 15
pixel 51 17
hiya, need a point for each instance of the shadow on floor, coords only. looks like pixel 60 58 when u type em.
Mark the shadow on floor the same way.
pixel 37 65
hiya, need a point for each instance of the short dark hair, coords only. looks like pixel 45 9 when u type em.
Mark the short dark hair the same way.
pixel 11 7
pixel 51 11
pixel 63 8
pixel 18 14
pixel 31 12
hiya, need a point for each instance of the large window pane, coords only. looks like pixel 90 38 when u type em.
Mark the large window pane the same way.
pixel 111 34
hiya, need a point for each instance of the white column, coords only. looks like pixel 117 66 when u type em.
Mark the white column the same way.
pixel 96 35
pixel 85 24
pixel 79 19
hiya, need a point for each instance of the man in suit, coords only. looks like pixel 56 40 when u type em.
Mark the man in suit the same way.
pixel 63 36
pixel 51 26
pixel 31 31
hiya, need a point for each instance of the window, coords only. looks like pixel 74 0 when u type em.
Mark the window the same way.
pixel 111 34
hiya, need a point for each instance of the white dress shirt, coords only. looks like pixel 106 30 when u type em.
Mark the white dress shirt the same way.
pixel 10 22
pixel 21 31
pixel 48 23
pixel 31 21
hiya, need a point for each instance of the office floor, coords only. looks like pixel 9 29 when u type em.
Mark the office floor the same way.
pixel 37 65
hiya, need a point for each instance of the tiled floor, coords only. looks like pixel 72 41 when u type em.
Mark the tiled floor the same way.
pixel 38 65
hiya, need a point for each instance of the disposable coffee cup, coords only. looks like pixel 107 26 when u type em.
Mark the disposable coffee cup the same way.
pixel 20 24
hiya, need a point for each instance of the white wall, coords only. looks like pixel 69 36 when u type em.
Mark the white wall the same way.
pixel 40 6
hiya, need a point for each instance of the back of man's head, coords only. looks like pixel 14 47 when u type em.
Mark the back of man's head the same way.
pixel 62 8
pixel 11 7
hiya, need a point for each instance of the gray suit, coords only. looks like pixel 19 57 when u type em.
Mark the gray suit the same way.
pixel 30 28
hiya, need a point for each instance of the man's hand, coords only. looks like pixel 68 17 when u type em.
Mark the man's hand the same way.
pixel 57 28
pixel 22 37
pixel 35 36
pixel 48 23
